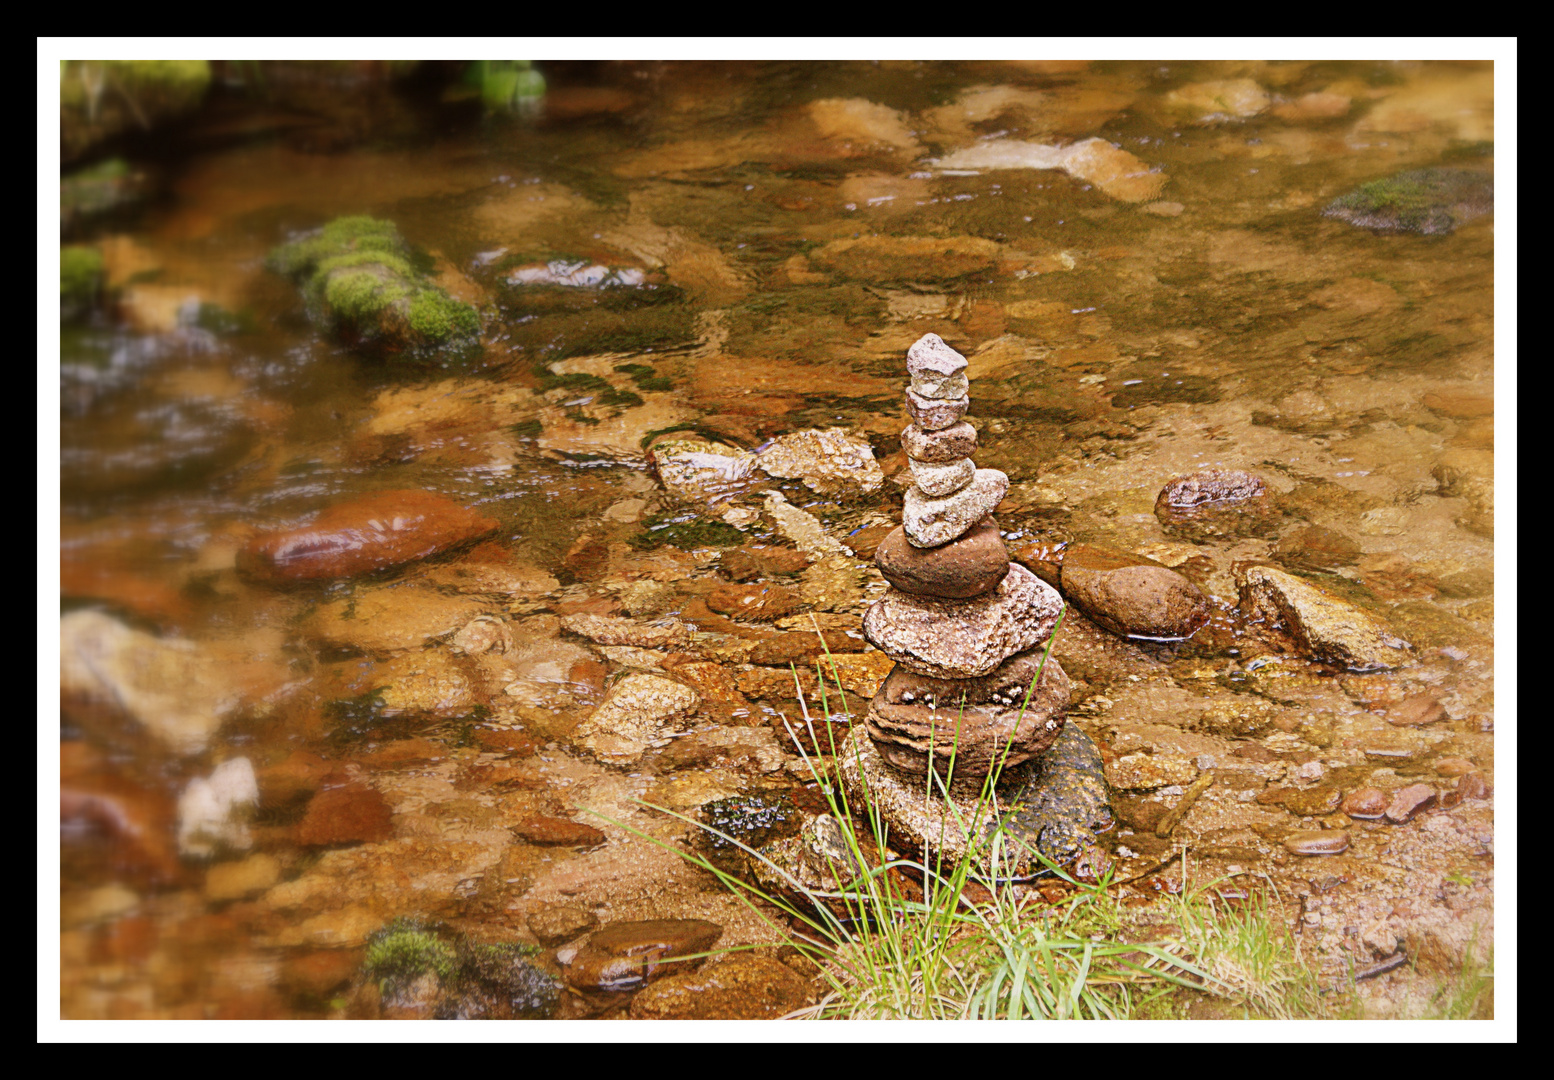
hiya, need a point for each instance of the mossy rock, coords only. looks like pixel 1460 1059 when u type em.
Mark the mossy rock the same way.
pixel 360 280
pixel 81 273
pixel 1428 201
pixel 458 978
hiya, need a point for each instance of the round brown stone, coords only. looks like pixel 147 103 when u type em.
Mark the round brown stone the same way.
pixel 1131 595
pixel 969 566
pixel 947 444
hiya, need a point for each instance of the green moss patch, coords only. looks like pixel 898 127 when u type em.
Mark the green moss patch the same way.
pixel 1428 201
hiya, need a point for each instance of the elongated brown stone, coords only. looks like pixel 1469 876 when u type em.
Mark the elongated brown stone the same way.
pixel 966 567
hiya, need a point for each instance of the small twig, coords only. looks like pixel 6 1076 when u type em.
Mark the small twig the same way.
pixel 1396 960
pixel 1174 816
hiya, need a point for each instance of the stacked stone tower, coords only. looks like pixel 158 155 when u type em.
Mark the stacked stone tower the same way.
pixel 965 627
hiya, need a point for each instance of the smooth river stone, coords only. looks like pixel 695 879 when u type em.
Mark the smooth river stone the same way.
pixel 970 566
pixel 931 522
pixel 956 441
pixel 979 738
pixel 1132 596
pixel 930 355
pixel 963 639
pixel 936 481
pixel 934 415
pixel 941 387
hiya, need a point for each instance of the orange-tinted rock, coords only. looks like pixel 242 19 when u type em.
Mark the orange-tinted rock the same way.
pixel 542 829
pixel 624 955
pixel 739 988
pixel 968 566
pixel 350 813
pixel 363 536
pixel 1131 595
pixel 319 972
pixel 297 774
pixel 798 647
pixel 146 597
pixel 1473 786
pixel 1366 803
pixel 756 603
pixel 1417 709
pixel 1410 801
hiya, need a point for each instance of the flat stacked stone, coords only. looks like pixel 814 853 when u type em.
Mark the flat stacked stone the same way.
pixel 967 629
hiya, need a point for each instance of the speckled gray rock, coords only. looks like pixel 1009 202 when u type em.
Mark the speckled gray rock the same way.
pixel 940 387
pixel 970 740
pixel 931 522
pixel 937 481
pixel 829 461
pixel 962 639
pixel 1328 628
pixel 947 444
pixel 929 355
pixel 932 415
pixel 1057 804
pixel 637 713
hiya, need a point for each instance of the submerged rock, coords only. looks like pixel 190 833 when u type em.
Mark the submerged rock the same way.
pixel 358 279
pixel 1428 201
pixel 635 715
pixel 626 955
pixel 908 258
pixel 363 536
pixel 1115 171
pixel 1326 627
pixel 214 811
pixel 829 461
pixel 700 471
pixel 1216 503
pixel 741 987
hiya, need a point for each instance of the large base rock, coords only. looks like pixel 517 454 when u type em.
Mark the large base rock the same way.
pixel 1057 805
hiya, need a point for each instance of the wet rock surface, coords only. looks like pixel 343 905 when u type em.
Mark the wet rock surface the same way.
pixel 738 988
pixel 627 955
pixel 1132 596
pixel 971 565
pixel 829 461
pixel 1325 626
pixel 930 522
pixel 637 712
pixel 1216 503
pixel 363 536
pixel 1428 201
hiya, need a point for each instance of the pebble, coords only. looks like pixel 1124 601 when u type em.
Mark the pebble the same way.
pixel 934 415
pixel 1317 842
pixel 613 630
pixel 1453 766
pixel 1216 503
pixel 931 522
pixel 941 387
pixel 969 566
pixel 213 811
pixel 1417 709
pixel 545 830
pixel 929 355
pixel 345 812
pixel 699 471
pixel 960 639
pixel 1473 786
pixel 1409 801
pixel 947 444
pixel 938 480
pixel 1366 803
pixel 363 536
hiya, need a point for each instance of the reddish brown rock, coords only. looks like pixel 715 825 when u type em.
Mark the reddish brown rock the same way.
pixel 761 560
pixel 1044 558
pixel 542 829
pixel 1316 548
pixel 1367 803
pixel 968 566
pixel 979 738
pixel 625 955
pixel 946 444
pixel 346 814
pixel 1131 595
pixel 1473 786
pixel 753 603
pixel 1409 801
pixel 1453 766
pixel 741 987
pixel 559 925
pixel 1217 503
pixel 800 648
pixel 362 536
pixel 1317 842
pixel 1417 709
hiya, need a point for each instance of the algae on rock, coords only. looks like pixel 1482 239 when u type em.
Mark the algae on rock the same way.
pixel 358 279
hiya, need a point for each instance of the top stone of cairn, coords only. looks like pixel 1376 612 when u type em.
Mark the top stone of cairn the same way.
pixel 932 357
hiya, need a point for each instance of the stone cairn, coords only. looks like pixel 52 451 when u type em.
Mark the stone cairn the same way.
pixel 966 627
